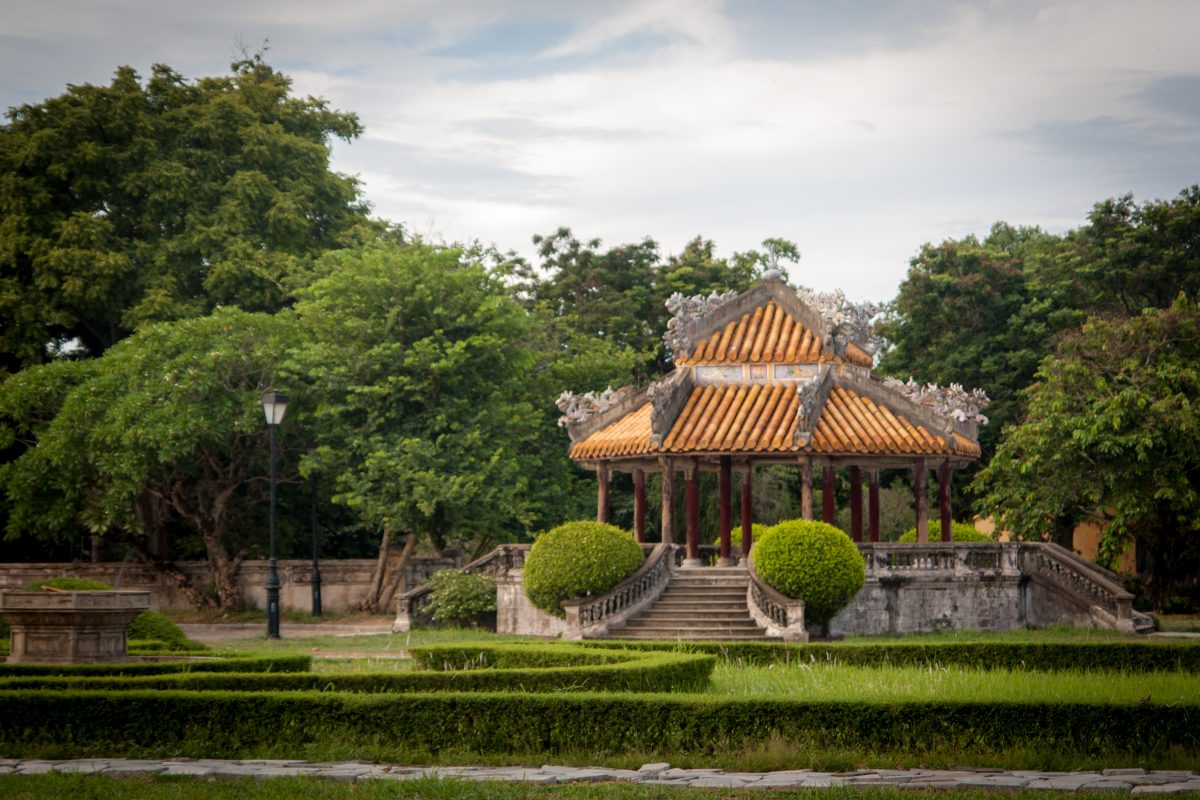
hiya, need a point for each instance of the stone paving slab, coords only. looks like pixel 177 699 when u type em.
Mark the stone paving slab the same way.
pixel 1115 780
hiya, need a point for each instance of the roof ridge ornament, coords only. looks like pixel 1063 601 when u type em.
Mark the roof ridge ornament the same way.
pixel 579 408
pixel 848 321
pixel 951 401
pixel 685 311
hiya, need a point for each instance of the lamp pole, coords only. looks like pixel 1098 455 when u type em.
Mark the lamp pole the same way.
pixel 274 406
pixel 316 572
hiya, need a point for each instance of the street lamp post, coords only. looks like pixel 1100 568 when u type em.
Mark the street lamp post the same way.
pixel 274 406
pixel 316 572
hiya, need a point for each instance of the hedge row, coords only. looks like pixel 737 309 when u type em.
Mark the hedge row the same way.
pixel 514 656
pixel 1044 657
pixel 232 723
pixel 643 672
pixel 265 664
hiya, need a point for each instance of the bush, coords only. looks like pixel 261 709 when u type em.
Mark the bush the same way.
pixel 959 532
pixel 461 597
pixel 813 562
pixel 578 559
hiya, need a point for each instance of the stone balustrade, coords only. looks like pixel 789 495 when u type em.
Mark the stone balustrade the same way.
pixel 412 607
pixel 592 616
pixel 776 613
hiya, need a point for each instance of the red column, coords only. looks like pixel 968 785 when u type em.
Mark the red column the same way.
pixel 747 510
pixel 639 504
pixel 873 505
pixel 603 512
pixel 828 508
pixel 921 503
pixel 806 490
pixel 692 498
pixel 856 526
pixel 668 500
pixel 725 500
pixel 944 499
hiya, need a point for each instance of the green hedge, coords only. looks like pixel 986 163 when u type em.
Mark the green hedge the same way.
pixel 811 561
pixel 513 656
pixel 1046 657
pixel 231 723
pixel 641 672
pixel 265 664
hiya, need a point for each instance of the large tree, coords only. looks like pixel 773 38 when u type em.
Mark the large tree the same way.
pixel 141 202
pixel 421 365
pixel 1112 434
pixel 161 436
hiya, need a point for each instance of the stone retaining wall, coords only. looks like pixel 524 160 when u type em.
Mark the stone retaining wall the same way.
pixel 343 581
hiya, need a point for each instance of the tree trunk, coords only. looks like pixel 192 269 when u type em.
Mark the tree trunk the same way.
pixel 177 576
pixel 396 584
pixel 370 603
pixel 151 514
pixel 223 569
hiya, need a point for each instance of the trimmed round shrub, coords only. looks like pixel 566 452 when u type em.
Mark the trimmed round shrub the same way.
pixel 578 559
pixel 461 597
pixel 813 562
pixel 959 532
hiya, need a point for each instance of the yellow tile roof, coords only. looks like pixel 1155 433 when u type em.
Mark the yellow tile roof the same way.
pixel 768 335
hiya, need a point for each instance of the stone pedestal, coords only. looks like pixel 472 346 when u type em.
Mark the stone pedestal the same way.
pixel 85 627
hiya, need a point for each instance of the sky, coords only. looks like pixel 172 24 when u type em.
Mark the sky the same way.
pixel 858 130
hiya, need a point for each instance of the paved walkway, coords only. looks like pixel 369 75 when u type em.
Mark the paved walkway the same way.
pixel 1133 781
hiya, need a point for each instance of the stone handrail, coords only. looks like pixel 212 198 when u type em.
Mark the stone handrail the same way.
pixel 596 615
pixel 897 559
pixel 778 614
pixel 412 607
pixel 1109 603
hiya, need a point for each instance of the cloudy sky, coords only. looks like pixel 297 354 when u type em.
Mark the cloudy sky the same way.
pixel 859 130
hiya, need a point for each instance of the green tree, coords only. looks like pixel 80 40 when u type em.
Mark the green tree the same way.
pixel 1112 434
pixel 421 365
pixel 134 203
pixel 162 435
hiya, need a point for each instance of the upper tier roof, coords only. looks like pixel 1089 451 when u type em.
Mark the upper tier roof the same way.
pixel 764 373
pixel 768 334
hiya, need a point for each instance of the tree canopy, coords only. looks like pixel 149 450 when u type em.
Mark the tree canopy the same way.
pixel 1111 434
pixel 136 202
pixel 163 433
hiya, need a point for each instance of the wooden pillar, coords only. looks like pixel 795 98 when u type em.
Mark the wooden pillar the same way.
pixel 828 506
pixel 725 501
pixel 668 500
pixel 856 526
pixel 873 506
pixel 747 511
pixel 639 505
pixel 603 507
pixel 692 500
pixel 944 499
pixel 921 503
pixel 806 490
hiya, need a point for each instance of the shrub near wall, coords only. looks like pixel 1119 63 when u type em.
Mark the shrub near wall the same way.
pixel 578 559
pixel 959 532
pixel 811 561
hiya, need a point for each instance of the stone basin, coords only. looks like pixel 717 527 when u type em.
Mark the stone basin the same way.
pixel 82 627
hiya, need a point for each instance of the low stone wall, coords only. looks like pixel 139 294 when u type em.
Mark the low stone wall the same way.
pixel 985 586
pixel 343 581
pixel 515 614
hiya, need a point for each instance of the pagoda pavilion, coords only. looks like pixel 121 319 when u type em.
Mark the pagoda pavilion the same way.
pixel 772 376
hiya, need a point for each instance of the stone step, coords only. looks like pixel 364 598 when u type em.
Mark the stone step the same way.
pixel 687 634
pixel 688 618
pixel 704 586
pixel 707 606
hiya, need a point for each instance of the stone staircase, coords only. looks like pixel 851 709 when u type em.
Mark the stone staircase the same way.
pixel 699 604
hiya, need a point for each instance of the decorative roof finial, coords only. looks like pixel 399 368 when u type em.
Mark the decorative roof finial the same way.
pixel 773 274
